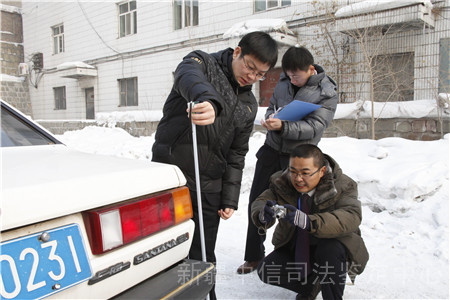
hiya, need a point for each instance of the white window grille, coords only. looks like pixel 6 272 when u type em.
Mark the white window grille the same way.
pixel 262 5
pixel 60 97
pixel 127 18
pixel 58 38
pixel 185 13
pixel 128 88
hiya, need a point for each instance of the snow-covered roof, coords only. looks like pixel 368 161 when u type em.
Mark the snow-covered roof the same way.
pixel 266 25
pixel 9 78
pixel 11 9
pixel 74 64
pixel 370 6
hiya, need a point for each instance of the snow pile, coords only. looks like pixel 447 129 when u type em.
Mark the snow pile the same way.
pixel 109 141
pixel 386 110
pixel 393 190
pixel 359 109
pixel 267 25
pixel 110 119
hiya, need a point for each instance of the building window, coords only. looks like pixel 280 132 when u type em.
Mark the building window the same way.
pixel 128 91
pixel 185 13
pixel 60 97
pixel 261 5
pixel 58 39
pixel 444 65
pixel 127 18
pixel 393 77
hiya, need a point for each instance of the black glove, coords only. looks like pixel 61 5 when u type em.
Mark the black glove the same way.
pixel 266 214
pixel 296 217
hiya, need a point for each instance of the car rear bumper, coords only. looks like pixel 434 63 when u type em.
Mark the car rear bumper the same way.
pixel 188 279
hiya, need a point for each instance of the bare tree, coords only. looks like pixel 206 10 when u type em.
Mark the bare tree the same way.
pixel 381 71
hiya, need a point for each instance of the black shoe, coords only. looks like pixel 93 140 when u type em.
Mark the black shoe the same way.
pixel 248 267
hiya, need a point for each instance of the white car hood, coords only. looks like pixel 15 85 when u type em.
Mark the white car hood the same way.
pixel 45 182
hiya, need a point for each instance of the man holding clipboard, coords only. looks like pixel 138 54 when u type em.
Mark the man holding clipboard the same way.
pixel 289 123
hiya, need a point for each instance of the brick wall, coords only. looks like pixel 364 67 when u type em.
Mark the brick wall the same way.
pixel 17 95
pixel 424 129
pixel 14 90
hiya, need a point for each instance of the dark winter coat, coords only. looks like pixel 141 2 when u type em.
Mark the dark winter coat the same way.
pixel 222 146
pixel 335 212
pixel 319 89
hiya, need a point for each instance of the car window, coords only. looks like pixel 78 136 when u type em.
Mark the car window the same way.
pixel 16 132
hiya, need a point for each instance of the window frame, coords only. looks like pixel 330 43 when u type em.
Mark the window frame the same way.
pixel 279 4
pixel 393 76
pixel 181 10
pixel 60 98
pixel 58 39
pixel 124 95
pixel 129 18
pixel 17 130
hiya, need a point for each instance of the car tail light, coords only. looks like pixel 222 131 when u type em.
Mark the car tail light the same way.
pixel 114 226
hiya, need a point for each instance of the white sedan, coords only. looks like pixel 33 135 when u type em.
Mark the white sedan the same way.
pixel 78 225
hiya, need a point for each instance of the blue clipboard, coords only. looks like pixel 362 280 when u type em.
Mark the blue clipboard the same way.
pixel 296 111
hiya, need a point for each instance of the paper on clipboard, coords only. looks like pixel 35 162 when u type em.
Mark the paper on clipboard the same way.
pixel 296 110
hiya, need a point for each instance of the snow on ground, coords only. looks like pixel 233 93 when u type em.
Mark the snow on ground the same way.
pixel 404 190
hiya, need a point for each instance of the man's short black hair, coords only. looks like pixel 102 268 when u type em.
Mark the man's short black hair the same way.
pixel 297 58
pixel 308 151
pixel 261 45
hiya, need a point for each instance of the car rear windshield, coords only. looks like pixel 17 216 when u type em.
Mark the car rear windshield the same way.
pixel 16 132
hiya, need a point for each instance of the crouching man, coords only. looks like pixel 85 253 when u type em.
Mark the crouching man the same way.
pixel 317 240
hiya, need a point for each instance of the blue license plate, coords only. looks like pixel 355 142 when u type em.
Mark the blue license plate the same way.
pixel 33 269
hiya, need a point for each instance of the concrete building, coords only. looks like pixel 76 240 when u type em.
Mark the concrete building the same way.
pixel 88 57
pixel 76 59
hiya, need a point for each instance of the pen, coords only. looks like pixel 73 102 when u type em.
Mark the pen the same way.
pixel 277 111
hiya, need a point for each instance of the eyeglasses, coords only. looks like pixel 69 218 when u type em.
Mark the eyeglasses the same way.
pixel 294 77
pixel 254 71
pixel 303 176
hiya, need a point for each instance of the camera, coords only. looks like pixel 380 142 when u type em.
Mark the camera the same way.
pixel 279 211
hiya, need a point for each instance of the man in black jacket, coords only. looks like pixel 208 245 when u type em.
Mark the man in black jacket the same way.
pixel 221 84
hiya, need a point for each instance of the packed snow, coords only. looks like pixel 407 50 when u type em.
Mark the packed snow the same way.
pixel 74 64
pixel 244 27
pixel 10 78
pixel 404 190
pixel 10 8
pixel 359 109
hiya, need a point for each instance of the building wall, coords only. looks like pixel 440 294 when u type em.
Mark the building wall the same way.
pixel 14 88
pixel 143 55
pixel 91 35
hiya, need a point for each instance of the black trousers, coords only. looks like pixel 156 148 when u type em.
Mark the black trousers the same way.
pixel 211 219
pixel 329 269
pixel 269 162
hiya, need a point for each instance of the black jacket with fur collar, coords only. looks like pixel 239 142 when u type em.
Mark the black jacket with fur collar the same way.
pixel 335 212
